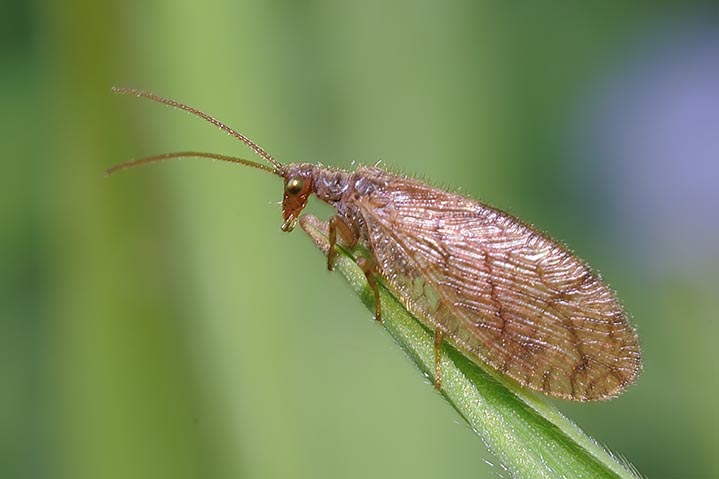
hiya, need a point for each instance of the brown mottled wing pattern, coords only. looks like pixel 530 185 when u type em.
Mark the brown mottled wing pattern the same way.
pixel 502 292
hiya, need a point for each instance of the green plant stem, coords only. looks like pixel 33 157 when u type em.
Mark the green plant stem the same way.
pixel 528 435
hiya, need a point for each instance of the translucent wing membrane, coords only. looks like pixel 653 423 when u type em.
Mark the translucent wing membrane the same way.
pixel 502 292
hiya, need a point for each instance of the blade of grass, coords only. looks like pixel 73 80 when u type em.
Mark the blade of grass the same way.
pixel 528 435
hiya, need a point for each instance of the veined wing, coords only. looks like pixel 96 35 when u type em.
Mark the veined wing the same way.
pixel 502 292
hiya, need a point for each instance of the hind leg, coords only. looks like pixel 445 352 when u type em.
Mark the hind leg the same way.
pixel 438 338
pixel 369 267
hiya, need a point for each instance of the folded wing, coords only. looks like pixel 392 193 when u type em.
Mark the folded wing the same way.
pixel 503 293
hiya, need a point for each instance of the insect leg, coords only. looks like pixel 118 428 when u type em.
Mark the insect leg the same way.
pixel 337 224
pixel 438 338
pixel 370 271
pixel 317 228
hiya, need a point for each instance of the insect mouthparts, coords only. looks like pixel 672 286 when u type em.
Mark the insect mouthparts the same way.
pixel 289 224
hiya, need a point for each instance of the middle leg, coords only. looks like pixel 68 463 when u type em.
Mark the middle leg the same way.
pixel 349 239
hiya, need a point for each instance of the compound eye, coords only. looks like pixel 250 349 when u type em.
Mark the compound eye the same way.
pixel 294 186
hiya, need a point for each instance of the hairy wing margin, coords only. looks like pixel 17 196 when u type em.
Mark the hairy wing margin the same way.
pixel 502 292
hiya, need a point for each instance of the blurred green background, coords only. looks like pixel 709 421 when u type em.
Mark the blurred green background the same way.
pixel 158 324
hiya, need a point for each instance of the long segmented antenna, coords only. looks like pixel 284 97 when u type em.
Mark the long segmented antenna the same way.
pixel 194 111
pixel 187 154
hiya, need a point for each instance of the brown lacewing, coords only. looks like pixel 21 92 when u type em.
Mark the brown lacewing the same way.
pixel 495 288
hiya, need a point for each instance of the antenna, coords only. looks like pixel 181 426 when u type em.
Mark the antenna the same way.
pixel 194 111
pixel 186 154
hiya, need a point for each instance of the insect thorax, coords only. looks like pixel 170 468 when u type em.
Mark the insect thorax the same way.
pixel 344 190
pixel 330 185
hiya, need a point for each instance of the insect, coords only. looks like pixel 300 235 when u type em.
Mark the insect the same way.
pixel 495 288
